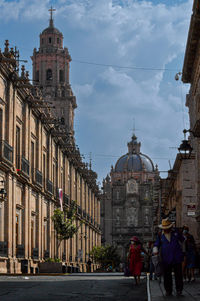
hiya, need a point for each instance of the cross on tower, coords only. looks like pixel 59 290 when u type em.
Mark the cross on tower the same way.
pixel 51 10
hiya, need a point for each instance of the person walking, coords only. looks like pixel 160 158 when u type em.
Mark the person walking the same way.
pixel 135 259
pixel 190 251
pixel 171 255
pixel 89 264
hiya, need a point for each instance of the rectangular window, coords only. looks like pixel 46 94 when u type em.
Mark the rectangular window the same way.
pixel 45 235
pixel 32 233
pixel 49 40
pixel 44 169
pixel 17 148
pixel 58 40
pixel 1 124
pixel 32 158
pixel 17 225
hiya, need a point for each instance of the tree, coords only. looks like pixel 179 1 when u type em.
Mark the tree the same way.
pixel 105 255
pixel 64 222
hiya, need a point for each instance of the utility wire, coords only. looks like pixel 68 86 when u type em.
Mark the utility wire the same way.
pixel 124 67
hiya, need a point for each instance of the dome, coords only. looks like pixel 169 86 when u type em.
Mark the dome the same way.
pixel 134 160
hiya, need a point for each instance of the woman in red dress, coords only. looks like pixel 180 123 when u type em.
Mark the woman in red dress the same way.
pixel 135 259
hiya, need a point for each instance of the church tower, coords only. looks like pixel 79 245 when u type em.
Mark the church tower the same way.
pixel 51 64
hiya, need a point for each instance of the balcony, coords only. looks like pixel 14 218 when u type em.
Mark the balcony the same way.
pixel 25 166
pixel 49 187
pixel 3 249
pixel 38 177
pixel 6 152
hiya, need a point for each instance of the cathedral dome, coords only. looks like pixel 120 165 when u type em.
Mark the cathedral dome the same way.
pixel 134 160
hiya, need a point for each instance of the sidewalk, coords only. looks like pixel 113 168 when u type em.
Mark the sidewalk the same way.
pixel 191 291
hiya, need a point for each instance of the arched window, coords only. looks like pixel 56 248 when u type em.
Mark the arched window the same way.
pixel 61 75
pixel 49 74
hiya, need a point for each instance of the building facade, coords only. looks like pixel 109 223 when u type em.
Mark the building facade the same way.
pixel 191 75
pixel 179 194
pixel 37 158
pixel 130 200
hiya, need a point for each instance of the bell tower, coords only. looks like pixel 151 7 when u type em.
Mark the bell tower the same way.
pixel 51 64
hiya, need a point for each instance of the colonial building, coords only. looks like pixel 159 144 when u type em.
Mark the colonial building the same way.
pixel 38 157
pixel 179 196
pixel 130 199
pixel 191 75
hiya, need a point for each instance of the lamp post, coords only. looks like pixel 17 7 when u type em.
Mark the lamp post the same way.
pixel 185 149
pixel 3 192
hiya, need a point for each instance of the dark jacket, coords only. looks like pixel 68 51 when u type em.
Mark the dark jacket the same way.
pixel 171 251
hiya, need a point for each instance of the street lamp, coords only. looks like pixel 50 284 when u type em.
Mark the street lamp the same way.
pixel 3 193
pixel 185 148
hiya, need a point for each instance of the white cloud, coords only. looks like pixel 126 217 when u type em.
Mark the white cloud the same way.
pixel 137 33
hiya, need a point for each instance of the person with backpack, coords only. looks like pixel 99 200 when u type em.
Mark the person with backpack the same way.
pixel 169 246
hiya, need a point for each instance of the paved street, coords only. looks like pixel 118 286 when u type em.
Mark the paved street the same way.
pixel 92 287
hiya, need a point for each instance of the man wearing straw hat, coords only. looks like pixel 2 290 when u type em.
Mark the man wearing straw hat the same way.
pixel 171 255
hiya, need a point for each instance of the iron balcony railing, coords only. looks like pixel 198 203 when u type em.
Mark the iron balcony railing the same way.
pixel 6 151
pixel 25 166
pixel 49 186
pixel 38 177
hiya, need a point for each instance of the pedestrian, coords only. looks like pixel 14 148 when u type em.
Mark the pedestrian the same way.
pixel 135 259
pixel 89 263
pixel 151 267
pixel 190 251
pixel 169 245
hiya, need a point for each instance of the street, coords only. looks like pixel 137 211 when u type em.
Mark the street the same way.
pixel 84 287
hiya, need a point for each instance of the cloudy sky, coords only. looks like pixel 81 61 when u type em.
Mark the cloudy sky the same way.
pixel 125 54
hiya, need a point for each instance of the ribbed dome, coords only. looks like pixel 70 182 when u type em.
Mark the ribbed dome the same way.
pixel 134 160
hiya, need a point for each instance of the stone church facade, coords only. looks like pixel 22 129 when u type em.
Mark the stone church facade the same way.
pixel 129 206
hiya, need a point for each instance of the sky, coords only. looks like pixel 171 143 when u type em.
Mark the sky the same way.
pixel 125 54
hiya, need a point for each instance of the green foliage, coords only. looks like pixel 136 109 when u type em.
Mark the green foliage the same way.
pixel 52 260
pixel 105 255
pixel 64 222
